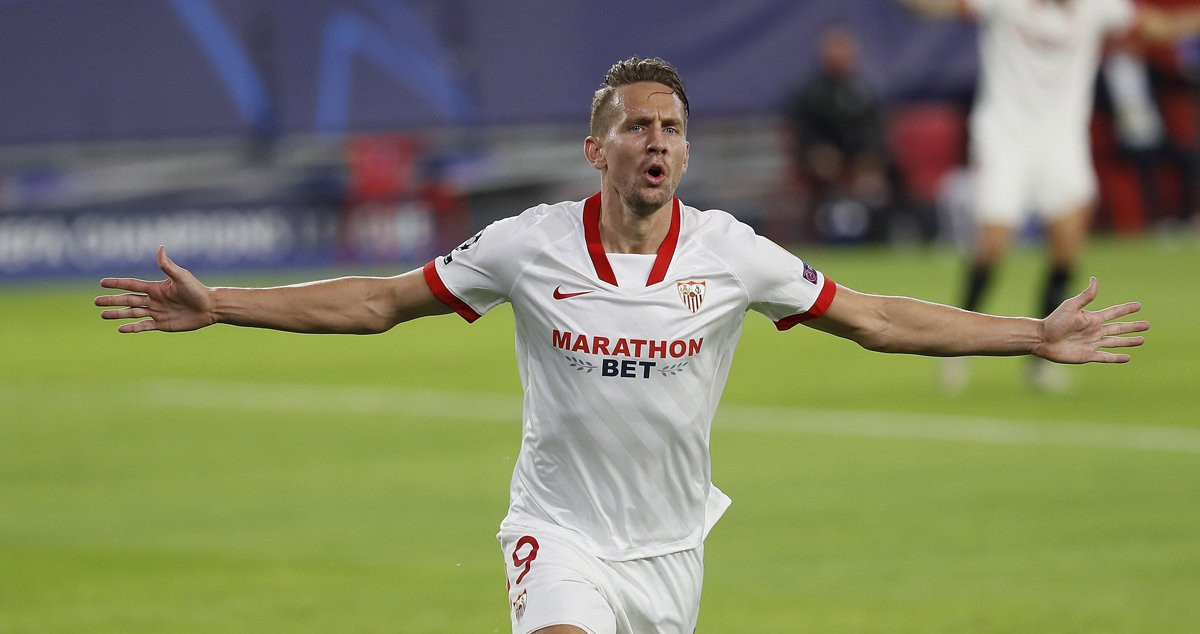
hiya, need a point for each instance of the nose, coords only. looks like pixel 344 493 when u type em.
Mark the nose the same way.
pixel 656 141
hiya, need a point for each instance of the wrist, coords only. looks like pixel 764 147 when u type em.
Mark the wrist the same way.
pixel 218 305
pixel 1040 338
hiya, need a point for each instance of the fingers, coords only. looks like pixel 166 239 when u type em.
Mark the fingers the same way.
pixel 126 313
pixel 127 284
pixel 138 307
pixel 139 326
pixel 167 265
pixel 1121 342
pixel 135 311
pixel 137 302
pixel 1119 311
pixel 1125 327
pixel 1083 299
pixel 1109 357
pixel 128 299
pixel 1100 356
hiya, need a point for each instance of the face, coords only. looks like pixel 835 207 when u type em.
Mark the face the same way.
pixel 839 50
pixel 644 153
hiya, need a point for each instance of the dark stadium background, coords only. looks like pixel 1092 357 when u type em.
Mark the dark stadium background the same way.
pixel 252 134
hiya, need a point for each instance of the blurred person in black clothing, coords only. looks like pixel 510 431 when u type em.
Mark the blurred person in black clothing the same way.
pixel 839 147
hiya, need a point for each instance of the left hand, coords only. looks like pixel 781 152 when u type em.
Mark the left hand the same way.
pixel 1073 335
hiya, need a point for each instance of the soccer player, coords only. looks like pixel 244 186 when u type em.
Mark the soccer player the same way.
pixel 628 306
pixel 1029 131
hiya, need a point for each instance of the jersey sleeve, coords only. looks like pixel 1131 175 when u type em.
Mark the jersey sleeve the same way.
pixel 781 286
pixel 478 274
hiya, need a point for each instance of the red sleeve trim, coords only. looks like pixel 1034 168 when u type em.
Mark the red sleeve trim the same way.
pixel 442 293
pixel 824 299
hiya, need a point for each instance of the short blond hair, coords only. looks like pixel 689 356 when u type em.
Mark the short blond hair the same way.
pixel 631 71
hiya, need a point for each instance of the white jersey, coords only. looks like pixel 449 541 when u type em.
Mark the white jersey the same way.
pixel 1039 60
pixel 621 381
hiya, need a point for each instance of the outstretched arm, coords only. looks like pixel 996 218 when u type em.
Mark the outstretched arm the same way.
pixel 900 324
pixel 352 305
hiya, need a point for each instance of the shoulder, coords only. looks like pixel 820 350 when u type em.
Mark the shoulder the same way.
pixel 733 243
pixel 540 224
pixel 508 243
pixel 552 212
pixel 776 282
pixel 715 228
pixel 483 269
pixel 547 215
pixel 710 219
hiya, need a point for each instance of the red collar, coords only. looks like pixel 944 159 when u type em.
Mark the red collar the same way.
pixel 591 233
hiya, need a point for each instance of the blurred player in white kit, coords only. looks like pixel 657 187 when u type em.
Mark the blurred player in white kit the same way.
pixel 628 306
pixel 1030 147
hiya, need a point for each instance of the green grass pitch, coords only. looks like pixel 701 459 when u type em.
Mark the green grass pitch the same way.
pixel 232 480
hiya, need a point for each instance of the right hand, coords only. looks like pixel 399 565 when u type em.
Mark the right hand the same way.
pixel 176 304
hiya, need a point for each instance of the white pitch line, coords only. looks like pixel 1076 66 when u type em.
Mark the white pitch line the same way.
pixel 368 400
pixel 401 401
pixel 941 427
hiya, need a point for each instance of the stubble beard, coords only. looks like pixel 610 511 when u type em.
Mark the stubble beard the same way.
pixel 644 204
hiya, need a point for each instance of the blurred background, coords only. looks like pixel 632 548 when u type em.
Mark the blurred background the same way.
pixel 267 133
pixel 231 480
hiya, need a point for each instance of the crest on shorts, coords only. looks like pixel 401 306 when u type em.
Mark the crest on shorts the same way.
pixel 691 293
pixel 519 605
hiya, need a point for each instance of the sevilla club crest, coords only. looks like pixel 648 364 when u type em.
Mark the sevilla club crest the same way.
pixel 519 605
pixel 691 293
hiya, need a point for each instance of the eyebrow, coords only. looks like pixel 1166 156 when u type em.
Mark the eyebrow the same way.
pixel 666 121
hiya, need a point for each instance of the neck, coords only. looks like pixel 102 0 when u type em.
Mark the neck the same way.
pixel 624 230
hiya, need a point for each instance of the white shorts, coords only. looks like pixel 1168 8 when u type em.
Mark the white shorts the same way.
pixel 1015 178
pixel 554 580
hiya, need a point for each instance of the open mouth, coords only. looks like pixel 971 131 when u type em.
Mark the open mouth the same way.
pixel 655 174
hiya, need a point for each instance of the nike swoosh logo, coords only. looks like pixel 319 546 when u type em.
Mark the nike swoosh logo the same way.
pixel 558 294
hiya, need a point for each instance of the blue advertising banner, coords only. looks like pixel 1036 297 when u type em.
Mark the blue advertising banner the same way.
pixel 87 241
pixel 244 236
pixel 75 70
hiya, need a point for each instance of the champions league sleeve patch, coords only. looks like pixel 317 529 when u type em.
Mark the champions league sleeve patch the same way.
pixel 462 247
pixel 810 273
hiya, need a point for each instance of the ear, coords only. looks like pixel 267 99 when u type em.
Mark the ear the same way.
pixel 687 152
pixel 595 153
